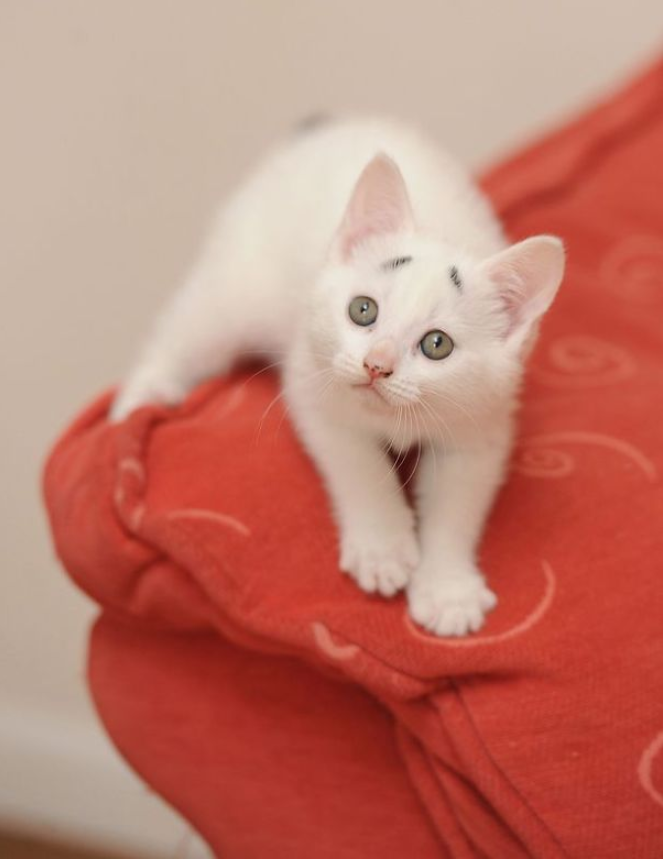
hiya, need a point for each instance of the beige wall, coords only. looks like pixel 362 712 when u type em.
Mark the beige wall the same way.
pixel 121 122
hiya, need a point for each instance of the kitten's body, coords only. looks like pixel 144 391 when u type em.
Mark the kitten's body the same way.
pixel 284 259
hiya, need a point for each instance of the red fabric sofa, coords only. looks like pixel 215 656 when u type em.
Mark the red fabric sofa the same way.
pixel 287 714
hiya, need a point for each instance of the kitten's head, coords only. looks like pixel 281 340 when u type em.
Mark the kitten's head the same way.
pixel 402 319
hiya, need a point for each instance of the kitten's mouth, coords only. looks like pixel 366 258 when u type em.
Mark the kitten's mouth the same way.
pixel 369 388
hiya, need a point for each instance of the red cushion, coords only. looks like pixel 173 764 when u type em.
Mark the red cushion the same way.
pixel 232 662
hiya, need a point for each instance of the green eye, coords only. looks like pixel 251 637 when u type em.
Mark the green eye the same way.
pixel 363 310
pixel 437 345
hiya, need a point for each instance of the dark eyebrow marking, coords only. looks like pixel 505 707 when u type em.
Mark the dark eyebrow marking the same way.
pixel 455 277
pixel 396 263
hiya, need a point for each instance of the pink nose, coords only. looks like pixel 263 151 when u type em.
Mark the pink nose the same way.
pixel 380 361
pixel 376 371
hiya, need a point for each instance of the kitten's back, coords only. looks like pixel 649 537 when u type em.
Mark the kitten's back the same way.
pixel 283 218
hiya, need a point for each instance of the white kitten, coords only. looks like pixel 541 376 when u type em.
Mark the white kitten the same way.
pixel 400 316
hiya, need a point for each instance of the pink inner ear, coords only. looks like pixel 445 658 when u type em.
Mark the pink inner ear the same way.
pixel 514 294
pixel 379 205
pixel 527 276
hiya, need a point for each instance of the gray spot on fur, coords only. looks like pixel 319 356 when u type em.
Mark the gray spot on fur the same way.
pixel 396 263
pixel 312 122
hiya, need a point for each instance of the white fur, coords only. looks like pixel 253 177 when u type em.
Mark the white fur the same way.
pixel 310 230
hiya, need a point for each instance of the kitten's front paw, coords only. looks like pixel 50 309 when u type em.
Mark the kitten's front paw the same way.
pixel 451 603
pixel 381 563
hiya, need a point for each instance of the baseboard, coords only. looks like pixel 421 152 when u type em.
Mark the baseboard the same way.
pixel 65 782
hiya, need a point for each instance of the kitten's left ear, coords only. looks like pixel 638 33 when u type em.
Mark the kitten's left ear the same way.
pixel 379 205
pixel 527 276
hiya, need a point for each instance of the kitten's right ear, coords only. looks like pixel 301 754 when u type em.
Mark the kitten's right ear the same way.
pixel 379 205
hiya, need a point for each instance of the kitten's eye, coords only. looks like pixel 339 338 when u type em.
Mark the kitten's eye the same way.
pixel 363 310
pixel 437 345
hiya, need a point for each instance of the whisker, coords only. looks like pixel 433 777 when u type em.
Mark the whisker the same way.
pixel 280 395
pixel 398 458
pixel 432 447
pixel 404 451
pixel 440 422
pixel 448 399
pixel 416 464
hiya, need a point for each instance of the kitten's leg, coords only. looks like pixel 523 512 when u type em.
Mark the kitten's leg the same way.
pixel 378 543
pixel 448 594
pixel 194 338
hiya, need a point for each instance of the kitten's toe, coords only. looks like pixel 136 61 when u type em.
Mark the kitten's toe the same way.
pixel 384 578
pixel 380 568
pixel 451 605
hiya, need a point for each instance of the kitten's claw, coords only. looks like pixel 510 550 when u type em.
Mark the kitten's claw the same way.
pixel 451 604
pixel 381 566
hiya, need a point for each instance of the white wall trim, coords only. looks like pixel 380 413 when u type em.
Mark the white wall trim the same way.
pixel 64 781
